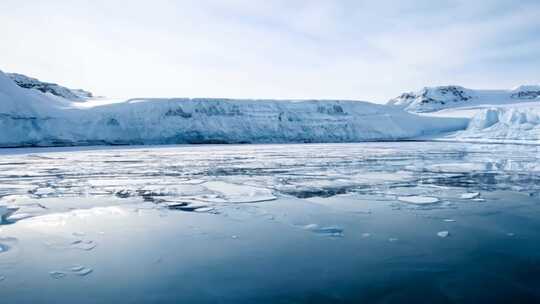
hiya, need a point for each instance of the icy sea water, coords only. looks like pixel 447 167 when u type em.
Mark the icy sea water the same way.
pixel 403 222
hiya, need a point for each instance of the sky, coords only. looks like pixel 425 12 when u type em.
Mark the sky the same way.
pixel 287 49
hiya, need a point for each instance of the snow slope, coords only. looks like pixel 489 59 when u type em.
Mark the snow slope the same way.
pixel 431 99
pixel 29 118
pixel 50 88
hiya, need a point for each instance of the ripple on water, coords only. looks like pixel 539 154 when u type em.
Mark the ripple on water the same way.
pixel 57 274
pixel 81 270
pixel 86 245
pixel 6 244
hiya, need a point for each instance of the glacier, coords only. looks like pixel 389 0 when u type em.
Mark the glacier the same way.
pixel 31 118
pixel 502 116
pixel 36 113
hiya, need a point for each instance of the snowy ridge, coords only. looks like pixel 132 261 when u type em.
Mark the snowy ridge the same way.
pixel 431 99
pixel 33 119
pixel 49 88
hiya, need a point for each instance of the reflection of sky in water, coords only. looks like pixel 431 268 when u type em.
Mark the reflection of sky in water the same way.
pixel 114 222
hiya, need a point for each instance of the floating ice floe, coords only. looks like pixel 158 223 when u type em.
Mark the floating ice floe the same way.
pixel 15 199
pixel 366 235
pixel 418 200
pixel 42 192
pixel 329 230
pixel 511 234
pixel 458 167
pixel 191 207
pixel 449 220
pixel 443 234
pixel 470 195
pixel 60 219
pixel 18 216
pixel 234 193
pixel 206 210
pixel 393 240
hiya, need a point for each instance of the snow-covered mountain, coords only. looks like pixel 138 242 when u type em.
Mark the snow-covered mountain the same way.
pixel 30 118
pixel 431 99
pixel 49 88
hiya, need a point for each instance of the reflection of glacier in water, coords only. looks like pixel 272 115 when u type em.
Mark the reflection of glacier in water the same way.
pixel 375 222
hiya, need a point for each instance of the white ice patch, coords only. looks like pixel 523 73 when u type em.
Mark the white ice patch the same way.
pixel 470 195
pixel 443 234
pixel 44 191
pixel 418 200
pixel 18 216
pixel 59 219
pixel 379 177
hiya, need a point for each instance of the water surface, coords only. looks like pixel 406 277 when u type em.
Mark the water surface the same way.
pixel 395 222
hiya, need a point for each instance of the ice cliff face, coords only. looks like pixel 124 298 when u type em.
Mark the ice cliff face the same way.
pixel 504 124
pixel 29 118
pixel 52 88
pixel 432 99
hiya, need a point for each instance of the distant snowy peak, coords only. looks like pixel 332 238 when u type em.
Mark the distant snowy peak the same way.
pixel 526 92
pixel 431 99
pixel 26 82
